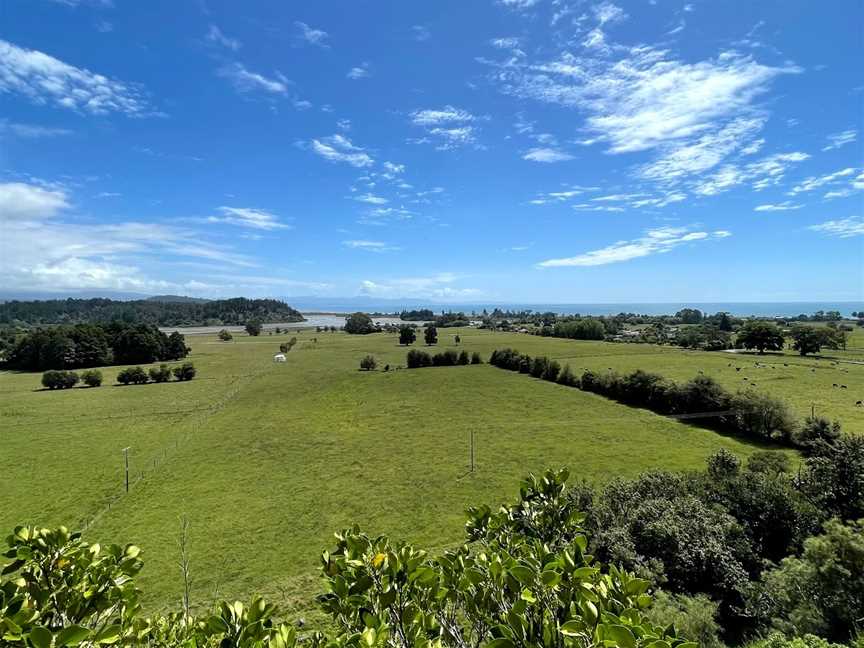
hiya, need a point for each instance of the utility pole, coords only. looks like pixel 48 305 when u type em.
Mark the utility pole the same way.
pixel 126 460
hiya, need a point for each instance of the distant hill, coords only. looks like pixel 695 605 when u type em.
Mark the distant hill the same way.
pixel 177 299
pixel 187 312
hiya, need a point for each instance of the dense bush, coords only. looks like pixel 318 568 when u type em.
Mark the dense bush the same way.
pixel 521 578
pixel 580 329
pixel 368 363
pixel 407 335
pixel 447 358
pixel 161 374
pixel 476 359
pixel 92 378
pixel 761 415
pixel 57 379
pixel 550 373
pixel 430 335
pixel 464 358
pixel 225 335
pixel 186 371
pixel 254 327
pixel 538 366
pixel 133 376
pixel 359 324
pixel 417 359
pixel 567 378
pixel 816 431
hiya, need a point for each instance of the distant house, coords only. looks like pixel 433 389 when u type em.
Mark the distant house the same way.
pixel 279 357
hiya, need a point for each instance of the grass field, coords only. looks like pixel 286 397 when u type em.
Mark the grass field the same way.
pixel 267 460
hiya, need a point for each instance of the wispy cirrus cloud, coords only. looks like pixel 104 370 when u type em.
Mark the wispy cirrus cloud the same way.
pixel 362 71
pixel 564 195
pixel 370 246
pixel 692 115
pixel 842 228
pixel 547 155
pixel 786 205
pixel 658 240
pixel 312 36
pixel 248 217
pixel 815 182
pixel 29 131
pixel 338 148
pixel 761 174
pixel 244 80
pixel 216 37
pixel 840 139
pixel 448 127
pixel 44 79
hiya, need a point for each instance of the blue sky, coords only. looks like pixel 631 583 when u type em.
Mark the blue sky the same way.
pixel 491 150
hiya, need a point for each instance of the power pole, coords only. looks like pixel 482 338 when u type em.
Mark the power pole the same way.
pixel 126 460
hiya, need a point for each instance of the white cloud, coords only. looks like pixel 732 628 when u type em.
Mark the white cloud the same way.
pixel 693 114
pixel 763 173
pixel 344 124
pixel 438 286
pixel 753 147
pixel 546 155
pixel 248 217
pixel 46 80
pixel 841 139
pixel 370 246
pixel 448 127
pixel 312 36
pixel 606 12
pixel 814 182
pixel 655 241
pixel 29 131
pixel 338 148
pixel 25 202
pixel 843 228
pixel 359 72
pixel 597 208
pixel 786 205
pixel 519 4
pixel 215 35
pixel 393 168
pixel 371 199
pixel 561 196
pixel 244 80
pixel 421 33
pixel 506 43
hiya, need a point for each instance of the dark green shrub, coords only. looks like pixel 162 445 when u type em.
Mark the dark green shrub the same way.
pixel 59 379
pixel 133 376
pixel 551 371
pixel 186 371
pixel 448 358
pixel 525 362
pixel 816 431
pixel 417 359
pixel 538 366
pixel 92 378
pixel 464 358
pixel 368 363
pixel 476 359
pixel 160 375
pixel 768 462
pixel 567 378
pixel 762 415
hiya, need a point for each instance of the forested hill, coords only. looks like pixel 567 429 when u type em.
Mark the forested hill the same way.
pixel 238 310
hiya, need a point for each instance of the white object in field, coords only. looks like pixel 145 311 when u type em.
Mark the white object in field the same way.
pixel 280 357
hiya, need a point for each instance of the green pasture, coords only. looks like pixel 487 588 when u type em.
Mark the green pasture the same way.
pixel 267 460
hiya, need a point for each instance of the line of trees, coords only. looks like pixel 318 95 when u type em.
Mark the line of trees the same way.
pixel 450 358
pixel 236 311
pixel 161 374
pixel 94 345
pixel 748 413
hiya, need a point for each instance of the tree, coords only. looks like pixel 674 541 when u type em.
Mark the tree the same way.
pixel 761 336
pixel 160 375
pixel 186 371
pixel 92 378
pixel 417 359
pixel 133 376
pixel 254 327
pixel 724 323
pixel 567 378
pixel 822 592
pixel 139 344
pixel 464 359
pixel 816 431
pixel 225 335
pixel 808 339
pixel 431 335
pixel 476 359
pixel 689 315
pixel 407 335
pixel 368 363
pixel 176 347
pixel 59 379
pixel 457 340
pixel 359 324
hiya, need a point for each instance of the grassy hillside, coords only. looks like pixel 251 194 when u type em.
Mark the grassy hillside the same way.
pixel 267 460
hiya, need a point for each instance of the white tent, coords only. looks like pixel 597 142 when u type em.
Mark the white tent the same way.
pixel 279 357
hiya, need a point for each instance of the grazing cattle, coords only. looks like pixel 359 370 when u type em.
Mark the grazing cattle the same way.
pixel 785 364
pixel 843 387
pixel 834 385
pixel 859 404
pixel 737 368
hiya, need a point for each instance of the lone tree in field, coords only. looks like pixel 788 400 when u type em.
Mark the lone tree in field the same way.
pixel 225 335
pixel 808 339
pixel 407 335
pixel 368 363
pixel 761 336
pixel 253 327
pixel 431 335
pixel 359 324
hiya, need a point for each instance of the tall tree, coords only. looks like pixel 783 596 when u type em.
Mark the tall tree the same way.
pixel 407 335
pixel 431 335
pixel 762 336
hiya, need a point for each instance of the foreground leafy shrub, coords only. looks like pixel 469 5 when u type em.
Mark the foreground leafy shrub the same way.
pixel 186 371
pixel 160 375
pixel 567 378
pixel 59 379
pixel 816 431
pixel 762 415
pixel 522 578
pixel 92 378
pixel 133 376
